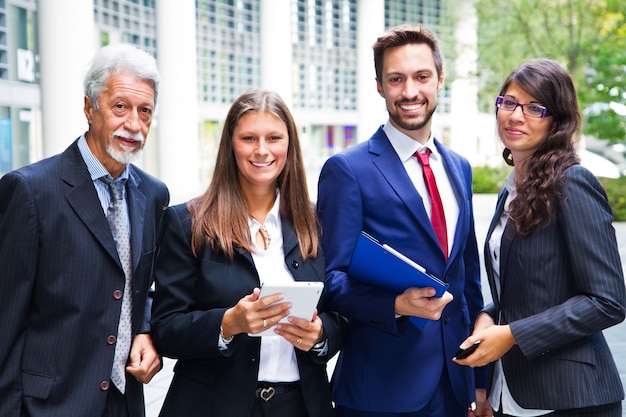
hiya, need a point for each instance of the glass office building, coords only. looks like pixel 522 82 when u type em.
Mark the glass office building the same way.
pixel 20 121
pixel 315 53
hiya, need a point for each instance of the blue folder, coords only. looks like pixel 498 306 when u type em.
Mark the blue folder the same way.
pixel 382 266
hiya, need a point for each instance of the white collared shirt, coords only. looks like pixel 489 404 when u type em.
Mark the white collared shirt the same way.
pixel 405 147
pixel 97 170
pixel 278 357
pixel 500 397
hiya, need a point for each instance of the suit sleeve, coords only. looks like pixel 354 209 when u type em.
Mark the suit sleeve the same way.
pixel 340 210
pixel 160 211
pixel 179 329
pixel 473 288
pixel 18 257
pixel 585 219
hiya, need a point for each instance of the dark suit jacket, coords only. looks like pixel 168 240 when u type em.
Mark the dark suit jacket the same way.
pixel 561 286
pixel 387 364
pixel 59 272
pixel 191 297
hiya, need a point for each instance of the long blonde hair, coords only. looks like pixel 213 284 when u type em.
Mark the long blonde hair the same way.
pixel 220 215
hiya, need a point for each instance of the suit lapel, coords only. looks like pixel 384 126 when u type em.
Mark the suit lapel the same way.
pixel 391 168
pixel 136 201
pixel 290 242
pixel 505 246
pixel 83 199
pixel 455 176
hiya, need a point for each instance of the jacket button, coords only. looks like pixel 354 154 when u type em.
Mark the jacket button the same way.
pixel 111 340
pixel 446 319
pixel 104 385
pixel 295 264
pixel 117 294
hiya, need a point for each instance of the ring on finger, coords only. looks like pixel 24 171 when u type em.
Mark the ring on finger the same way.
pixel 264 323
pixel 299 340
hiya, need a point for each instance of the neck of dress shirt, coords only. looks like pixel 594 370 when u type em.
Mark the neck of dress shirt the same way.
pixel 97 170
pixel 278 357
pixel 405 147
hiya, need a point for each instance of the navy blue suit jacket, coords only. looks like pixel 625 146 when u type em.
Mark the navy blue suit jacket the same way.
pixel 561 286
pixel 387 364
pixel 60 270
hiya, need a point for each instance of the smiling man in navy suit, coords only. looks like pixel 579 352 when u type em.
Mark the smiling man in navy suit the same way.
pixel 388 366
pixel 63 282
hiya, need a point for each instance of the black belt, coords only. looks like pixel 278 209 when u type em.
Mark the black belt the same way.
pixel 267 390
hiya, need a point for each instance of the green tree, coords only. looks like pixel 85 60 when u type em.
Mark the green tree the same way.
pixel 588 37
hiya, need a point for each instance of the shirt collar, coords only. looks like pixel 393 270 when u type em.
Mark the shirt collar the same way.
pixel 511 186
pixel 405 146
pixel 510 183
pixel 94 166
pixel 273 216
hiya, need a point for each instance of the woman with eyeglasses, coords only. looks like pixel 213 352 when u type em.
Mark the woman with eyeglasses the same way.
pixel 552 262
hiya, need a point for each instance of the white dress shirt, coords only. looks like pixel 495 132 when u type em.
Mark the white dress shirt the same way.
pixel 278 357
pixel 405 147
pixel 500 395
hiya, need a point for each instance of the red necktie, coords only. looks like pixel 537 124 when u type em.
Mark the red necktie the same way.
pixel 437 217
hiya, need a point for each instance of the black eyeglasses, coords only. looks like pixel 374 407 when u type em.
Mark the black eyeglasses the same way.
pixel 529 109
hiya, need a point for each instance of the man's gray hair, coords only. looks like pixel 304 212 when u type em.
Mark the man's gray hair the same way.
pixel 116 59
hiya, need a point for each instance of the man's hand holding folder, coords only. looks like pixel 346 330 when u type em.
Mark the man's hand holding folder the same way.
pixel 421 295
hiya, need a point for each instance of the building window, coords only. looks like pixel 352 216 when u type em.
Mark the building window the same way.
pixel 229 49
pixel 433 15
pixel 324 31
pixel 134 22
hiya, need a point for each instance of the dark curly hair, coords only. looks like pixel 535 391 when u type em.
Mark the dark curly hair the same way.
pixel 552 86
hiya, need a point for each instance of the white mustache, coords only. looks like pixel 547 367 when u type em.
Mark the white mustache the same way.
pixel 138 136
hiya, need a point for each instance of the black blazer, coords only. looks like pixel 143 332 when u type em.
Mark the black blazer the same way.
pixel 59 272
pixel 561 286
pixel 192 294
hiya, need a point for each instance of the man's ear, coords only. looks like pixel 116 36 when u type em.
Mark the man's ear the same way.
pixel 88 109
pixel 379 88
pixel 440 82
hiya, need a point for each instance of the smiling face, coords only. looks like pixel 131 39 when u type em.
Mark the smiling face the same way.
pixel 118 128
pixel 522 134
pixel 409 84
pixel 260 144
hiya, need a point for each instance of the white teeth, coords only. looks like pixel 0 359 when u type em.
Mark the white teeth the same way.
pixel 261 165
pixel 411 106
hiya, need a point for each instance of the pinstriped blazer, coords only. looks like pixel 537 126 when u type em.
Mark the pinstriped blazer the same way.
pixel 59 271
pixel 560 287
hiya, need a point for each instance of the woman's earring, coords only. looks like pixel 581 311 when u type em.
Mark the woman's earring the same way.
pixel 508 157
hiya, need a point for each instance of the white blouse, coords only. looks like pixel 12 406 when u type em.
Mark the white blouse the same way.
pixel 500 397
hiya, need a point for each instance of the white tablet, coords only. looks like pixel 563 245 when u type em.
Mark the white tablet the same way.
pixel 303 295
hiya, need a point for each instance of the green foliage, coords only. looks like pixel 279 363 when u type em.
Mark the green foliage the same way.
pixel 489 180
pixel 616 191
pixel 588 37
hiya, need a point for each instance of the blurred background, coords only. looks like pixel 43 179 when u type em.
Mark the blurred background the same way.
pixel 317 55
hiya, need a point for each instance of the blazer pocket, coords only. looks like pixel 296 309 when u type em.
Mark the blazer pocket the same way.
pixel 582 352
pixel 36 386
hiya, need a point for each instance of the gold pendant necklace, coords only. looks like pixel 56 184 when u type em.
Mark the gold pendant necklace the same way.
pixel 267 239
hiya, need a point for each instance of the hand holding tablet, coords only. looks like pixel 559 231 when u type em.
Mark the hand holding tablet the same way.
pixel 303 295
